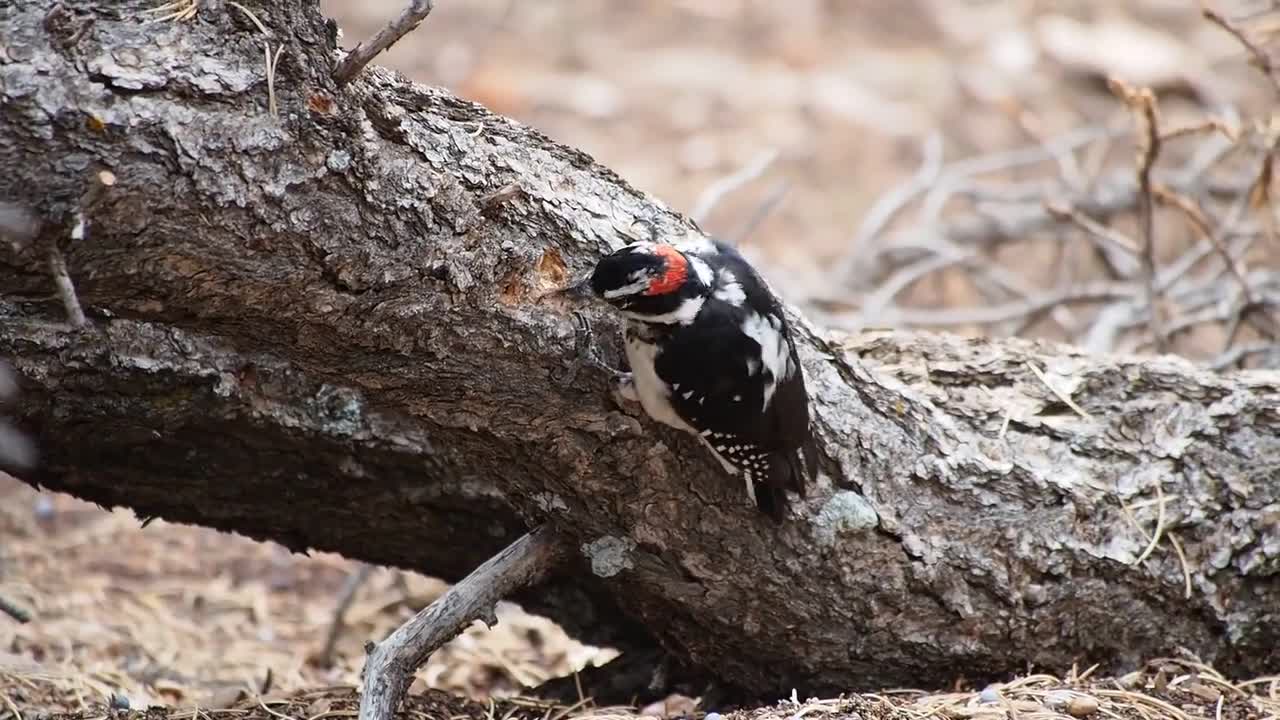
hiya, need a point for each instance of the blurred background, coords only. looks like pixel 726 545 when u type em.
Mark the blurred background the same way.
pixel 887 164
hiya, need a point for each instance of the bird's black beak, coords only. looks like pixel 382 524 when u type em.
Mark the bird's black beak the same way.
pixel 578 290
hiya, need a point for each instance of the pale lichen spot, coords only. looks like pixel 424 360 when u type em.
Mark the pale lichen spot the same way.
pixel 609 555
pixel 844 512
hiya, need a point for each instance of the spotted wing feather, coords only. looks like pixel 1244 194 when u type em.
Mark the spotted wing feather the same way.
pixel 721 388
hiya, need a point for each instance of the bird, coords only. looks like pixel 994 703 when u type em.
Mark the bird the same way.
pixel 711 353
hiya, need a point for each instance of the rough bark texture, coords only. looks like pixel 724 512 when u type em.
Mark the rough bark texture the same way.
pixel 315 327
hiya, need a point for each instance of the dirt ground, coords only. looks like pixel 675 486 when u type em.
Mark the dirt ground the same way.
pixel 809 112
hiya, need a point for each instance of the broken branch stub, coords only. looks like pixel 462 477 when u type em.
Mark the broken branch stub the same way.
pixel 392 662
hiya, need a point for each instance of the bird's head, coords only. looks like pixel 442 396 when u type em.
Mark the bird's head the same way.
pixel 652 282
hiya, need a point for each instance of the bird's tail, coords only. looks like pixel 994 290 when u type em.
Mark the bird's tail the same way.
pixel 790 471
pixel 771 498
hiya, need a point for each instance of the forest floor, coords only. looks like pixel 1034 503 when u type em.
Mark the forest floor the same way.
pixel 789 121
pixel 183 623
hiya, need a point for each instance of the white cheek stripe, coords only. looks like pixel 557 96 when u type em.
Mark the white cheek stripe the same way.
pixel 683 314
pixel 633 288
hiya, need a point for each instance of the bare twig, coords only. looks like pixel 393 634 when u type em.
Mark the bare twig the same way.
pixel 1158 302
pixel 875 302
pixel 716 191
pixel 1253 309
pixel 346 596
pixel 1113 195
pixel 1093 228
pixel 66 288
pixel 409 18
pixel 938 183
pixel 10 608
pixel 891 203
pixel 1065 398
pixel 1143 103
pixel 992 314
pixel 1233 356
pixel 1259 56
pixel 392 662
pixel 1209 125
pixel 761 211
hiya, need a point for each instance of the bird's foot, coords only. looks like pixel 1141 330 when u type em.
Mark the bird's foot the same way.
pixel 627 387
pixel 585 354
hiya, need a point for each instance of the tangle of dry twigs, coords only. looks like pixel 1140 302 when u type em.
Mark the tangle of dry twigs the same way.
pixel 1177 237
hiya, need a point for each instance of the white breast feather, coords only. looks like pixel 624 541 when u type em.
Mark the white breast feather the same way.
pixel 655 397
pixel 654 394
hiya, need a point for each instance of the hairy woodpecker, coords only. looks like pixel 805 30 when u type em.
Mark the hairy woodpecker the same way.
pixel 711 354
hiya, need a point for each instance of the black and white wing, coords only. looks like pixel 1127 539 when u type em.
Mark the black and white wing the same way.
pixel 727 385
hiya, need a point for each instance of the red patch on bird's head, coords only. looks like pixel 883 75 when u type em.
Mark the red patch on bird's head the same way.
pixel 675 272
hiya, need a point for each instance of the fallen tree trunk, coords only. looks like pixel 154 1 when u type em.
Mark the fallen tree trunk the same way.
pixel 316 316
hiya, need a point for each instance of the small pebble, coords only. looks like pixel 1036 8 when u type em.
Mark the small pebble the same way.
pixel 1082 706
pixel 1074 704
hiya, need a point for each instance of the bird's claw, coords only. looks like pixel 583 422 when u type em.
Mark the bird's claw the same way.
pixel 627 387
pixel 586 355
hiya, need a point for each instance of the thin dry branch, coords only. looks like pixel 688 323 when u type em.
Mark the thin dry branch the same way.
pixel 718 190
pixel 936 183
pixel 13 610
pixel 1142 102
pixel 346 596
pixel 1258 55
pixel 66 288
pixel 1151 305
pixel 409 18
pixel 1014 310
pixel 761 211
pixel 1094 229
pixel 391 663
pixel 1253 309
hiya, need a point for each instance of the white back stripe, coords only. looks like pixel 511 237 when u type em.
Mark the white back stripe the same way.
pixel 774 352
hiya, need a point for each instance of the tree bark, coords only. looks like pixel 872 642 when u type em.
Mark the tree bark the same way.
pixel 327 327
